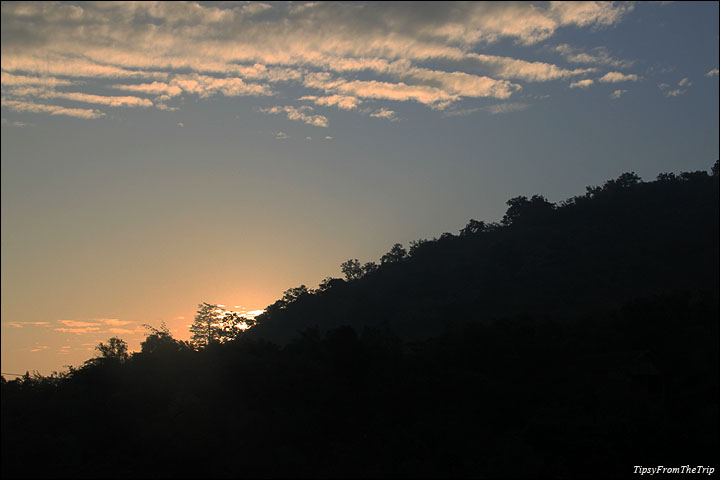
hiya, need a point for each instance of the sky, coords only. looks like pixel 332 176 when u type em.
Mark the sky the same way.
pixel 160 155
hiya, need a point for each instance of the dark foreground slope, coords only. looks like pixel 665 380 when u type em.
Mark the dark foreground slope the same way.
pixel 623 240
pixel 578 341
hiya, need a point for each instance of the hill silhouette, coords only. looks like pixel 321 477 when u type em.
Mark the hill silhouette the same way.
pixel 570 340
pixel 623 240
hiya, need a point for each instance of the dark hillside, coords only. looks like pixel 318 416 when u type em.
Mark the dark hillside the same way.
pixel 570 341
pixel 620 241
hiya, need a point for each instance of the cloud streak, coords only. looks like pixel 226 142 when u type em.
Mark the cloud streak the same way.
pixel 582 83
pixel 19 106
pixel 298 113
pixel 615 77
pixel 161 52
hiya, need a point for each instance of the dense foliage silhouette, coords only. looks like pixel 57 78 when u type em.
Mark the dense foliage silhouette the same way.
pixel 569 340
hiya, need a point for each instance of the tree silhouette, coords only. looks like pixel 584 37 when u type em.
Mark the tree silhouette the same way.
pixel 473 227
pixel 529 211
pixel 328 282
pixel 351 269
pixel 114 351
pixel 212 324
pixel 396 254
pixel 369 267
pixel 161 340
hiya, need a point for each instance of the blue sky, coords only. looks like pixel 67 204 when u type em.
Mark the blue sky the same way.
pixel 157 155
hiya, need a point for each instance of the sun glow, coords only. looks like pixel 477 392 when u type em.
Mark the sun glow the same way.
pixel 221 312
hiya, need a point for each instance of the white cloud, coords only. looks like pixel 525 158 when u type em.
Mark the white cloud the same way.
pixel 19 106
pixel 14 123
pixel 598 56
pixel 428 95
pixel 463 112
pixel 582 83
pixel 685 82
pixel 294 113
pixel 121 331
pixel 506 108
pixel 668 91
pixel 712 73
pixel 8 79
pixel 22 324
pixel 589 13
pixel 169 50
pixel 617 94
pixel 615 77
pixel 78 330
pixel 114 321
pixel 461 84
pixel 343 102
pixel 281 135
pixel 75 323
pixel 101 100
pixel 506 67
pixel 675 92
pixel 386 114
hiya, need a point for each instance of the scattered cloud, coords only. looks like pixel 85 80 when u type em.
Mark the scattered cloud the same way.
pixel 103 100
pixel 617 94
pixel 114 321
pixel 75 323
pixel 463 112
pixel 78 331
pixel 298 113
pixel 180 124
pixel 506 67
pixel 14 123
pixel 582 83
pixel 8 80
pixel 386 114
pixel 380 90
pixel 712 73
pixel 39 348
pixel 675 92
pixel 457 85
pixel 597 56
pixel 328 137
pixel 615 77
pixel 20 106
pixel 162 53
pixel 281 135
pixel 506 108
pixel 668 91
pixel 343 102
pixel 120 331
pixel 22 324
pixel 96 326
